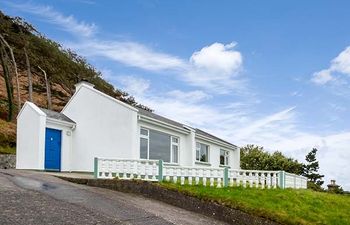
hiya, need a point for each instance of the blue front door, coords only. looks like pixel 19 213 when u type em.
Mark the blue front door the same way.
pixel 53 149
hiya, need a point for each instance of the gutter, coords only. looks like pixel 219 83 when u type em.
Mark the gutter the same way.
pixel 60 122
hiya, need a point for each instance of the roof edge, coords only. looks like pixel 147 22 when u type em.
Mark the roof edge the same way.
pixel 84 85
pixel 33 106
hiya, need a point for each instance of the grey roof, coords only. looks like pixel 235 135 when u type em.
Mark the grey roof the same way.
pixel 57 115
pixel 160 118
pixel 180 125
pixel 198 131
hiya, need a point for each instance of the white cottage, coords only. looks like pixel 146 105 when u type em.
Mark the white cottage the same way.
pixel 93 124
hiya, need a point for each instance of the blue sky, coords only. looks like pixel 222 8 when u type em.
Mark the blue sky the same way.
pixel 272 73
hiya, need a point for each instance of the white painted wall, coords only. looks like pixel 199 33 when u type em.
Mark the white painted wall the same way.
pixel 66 144
pixel 30 149
pixel 105 127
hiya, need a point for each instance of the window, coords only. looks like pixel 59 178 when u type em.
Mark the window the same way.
pixel 174 149
pixel 158 145
pixel 224 156
pixel 202 152
pixel 144 143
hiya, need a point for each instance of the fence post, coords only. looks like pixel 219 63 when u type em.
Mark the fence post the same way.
pixel 282 179
pixel 160 170
pixel 95 167
pixel 226 177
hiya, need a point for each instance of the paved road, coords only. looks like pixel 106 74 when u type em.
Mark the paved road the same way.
pixel 36 198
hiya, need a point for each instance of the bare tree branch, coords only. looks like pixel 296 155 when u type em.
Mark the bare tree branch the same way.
pixel 48 89
pixel 16 71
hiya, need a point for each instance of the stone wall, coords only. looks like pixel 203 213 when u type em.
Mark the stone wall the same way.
pixel 7 161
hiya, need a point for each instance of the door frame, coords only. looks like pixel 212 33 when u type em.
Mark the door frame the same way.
pixel 60 150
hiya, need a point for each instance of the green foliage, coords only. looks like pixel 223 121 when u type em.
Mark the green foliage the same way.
pixel 7 150
pixel 313 186
pixel 285 206
pixel 256 158
pixel 7 133
pixel 311 169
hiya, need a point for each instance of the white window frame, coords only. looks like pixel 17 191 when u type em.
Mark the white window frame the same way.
pixel 226 157
pixel 145 137
pixel 199 151
pixel 171 145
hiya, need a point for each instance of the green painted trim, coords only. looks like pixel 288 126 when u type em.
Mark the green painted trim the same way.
pixel 95 167
pixel 282 179
pixel 226 177
pixel 160 170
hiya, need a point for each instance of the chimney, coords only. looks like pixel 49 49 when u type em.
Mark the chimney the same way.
pixel 83 83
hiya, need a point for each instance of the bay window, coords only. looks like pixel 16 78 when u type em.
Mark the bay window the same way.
pixel 158 145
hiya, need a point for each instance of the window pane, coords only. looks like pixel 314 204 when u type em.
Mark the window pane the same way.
pixel 143 148
pixel 222 157
pixel 175 153
pixel 204 150
pixel 159 145
pixel 222 160
pixel 144 132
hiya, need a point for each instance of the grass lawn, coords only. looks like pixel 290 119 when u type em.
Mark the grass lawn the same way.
pixel 283 206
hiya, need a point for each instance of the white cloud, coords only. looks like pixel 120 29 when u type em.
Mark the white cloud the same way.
pixel 218 59
pixel 214 67
pixel 191 96
pixel 339 65
pixel 322 77
pixel 68 23
pixel 133 85
pixel 131 54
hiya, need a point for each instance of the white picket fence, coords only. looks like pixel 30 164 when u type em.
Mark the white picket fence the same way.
pixel 127 169
pixel 295 181
pixel 254 178
pixel 194 175
pixel 154 170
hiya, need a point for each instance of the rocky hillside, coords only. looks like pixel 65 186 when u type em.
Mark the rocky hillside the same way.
pixel 64 68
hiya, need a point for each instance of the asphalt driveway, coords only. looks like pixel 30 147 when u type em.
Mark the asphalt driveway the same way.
pixel 37 198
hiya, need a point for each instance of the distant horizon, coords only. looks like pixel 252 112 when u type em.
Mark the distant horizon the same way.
pixel 274 74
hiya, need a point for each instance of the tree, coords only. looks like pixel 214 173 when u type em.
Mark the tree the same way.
pixel 15 69
pixel 7 78
pixel 256 158
pixel 29 74
pixel 48 89
pixel 311 170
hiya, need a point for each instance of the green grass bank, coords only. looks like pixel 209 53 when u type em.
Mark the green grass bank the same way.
pixel 283 206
